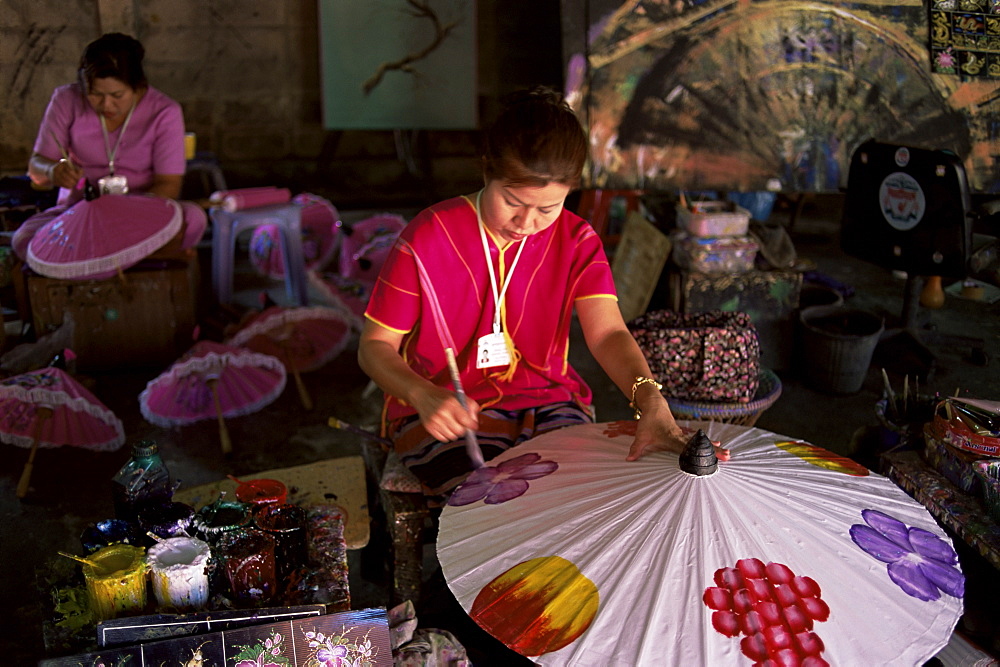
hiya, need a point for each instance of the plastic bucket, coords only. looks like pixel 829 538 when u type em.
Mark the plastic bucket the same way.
pixel 837 347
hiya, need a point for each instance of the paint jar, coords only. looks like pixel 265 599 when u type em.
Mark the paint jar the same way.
pixel 117 586
pixel 143 479
pixel 110 531
pixel 261 492
pixel 169 519
pixel 220 517
pixel 178 571
pixel 286 523
pixel 246 556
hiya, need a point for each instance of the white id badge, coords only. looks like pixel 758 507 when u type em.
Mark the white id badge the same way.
pixel 492 351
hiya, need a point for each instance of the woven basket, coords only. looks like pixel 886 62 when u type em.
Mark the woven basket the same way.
pixel 744 414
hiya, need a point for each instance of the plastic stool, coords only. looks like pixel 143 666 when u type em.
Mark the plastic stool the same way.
pixel 227 226
pixel 595 205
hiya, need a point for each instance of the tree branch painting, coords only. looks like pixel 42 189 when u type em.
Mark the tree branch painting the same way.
pixel 420 9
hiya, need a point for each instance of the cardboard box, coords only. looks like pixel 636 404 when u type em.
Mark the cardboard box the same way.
pixel 637 264
pixel 145 318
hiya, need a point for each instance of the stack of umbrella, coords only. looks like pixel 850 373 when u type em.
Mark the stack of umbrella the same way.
pixel 363 249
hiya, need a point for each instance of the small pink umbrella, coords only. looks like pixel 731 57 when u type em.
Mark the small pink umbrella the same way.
pixel 303 338
pixel 48 408
pixel 366 244
pixel 212 380
pixel 96 239
pixel 320 231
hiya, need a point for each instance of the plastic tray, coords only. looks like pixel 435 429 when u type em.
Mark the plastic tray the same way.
pixel 713 218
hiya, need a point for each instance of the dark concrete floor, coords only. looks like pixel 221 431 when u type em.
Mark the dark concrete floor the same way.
pixel 71 487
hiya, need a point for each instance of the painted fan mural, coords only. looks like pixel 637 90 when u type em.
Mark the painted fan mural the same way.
pixel 739 95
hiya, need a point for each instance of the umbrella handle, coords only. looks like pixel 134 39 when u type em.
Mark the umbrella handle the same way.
pixel 304 396
pixel 227 444
pixel 22 485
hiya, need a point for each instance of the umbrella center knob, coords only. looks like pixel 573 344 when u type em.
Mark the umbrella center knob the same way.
pixel 699 456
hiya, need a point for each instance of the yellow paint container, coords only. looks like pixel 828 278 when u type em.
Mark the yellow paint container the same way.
pixel 190 145
pixel 117 587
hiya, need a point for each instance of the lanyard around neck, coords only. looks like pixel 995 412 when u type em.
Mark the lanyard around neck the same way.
pixel 112 154
pixel 497 296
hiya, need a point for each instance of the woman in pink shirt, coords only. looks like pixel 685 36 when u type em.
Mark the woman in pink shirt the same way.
pixel 508 266
pixel 110 126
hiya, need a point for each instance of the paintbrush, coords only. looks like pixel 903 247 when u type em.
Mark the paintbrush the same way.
pixel 65 156
pixel 890 396
pixel 906 396
pixel 471 444
pixel 86 561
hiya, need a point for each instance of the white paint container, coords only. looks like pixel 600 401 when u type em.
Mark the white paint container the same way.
pixel 177 569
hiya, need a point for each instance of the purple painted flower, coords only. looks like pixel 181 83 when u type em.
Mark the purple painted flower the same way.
pixel 919 561
pixel 332 655
pixel 506 481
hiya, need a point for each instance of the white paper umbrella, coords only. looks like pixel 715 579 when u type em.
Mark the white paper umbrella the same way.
pixel 788 554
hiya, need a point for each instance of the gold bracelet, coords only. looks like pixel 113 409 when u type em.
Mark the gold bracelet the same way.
pixel 52 167
pixel 639 381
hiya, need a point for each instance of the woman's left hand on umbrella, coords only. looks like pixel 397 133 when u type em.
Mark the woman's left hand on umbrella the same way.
pixel 657 431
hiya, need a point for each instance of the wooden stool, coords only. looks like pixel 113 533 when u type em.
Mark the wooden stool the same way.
pixel 595 205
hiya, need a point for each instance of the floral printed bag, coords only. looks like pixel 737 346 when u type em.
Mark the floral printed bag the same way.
pixel 709 356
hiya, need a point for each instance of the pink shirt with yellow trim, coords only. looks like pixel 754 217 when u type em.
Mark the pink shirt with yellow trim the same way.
pixel 558 266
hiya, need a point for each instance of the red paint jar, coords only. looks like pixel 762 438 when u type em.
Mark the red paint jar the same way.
pixel 261 492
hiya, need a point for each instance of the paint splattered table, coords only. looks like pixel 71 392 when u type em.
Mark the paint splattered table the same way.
pixel 340 481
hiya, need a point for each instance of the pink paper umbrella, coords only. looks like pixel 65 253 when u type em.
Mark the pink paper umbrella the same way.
pixel 349 295
pixel 48 408
pixel 366 244
pixel 320 231
pixel 303 338
pixel 212 380
pixel 96 239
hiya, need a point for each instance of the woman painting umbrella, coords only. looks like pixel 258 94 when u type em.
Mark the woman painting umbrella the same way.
pixel 111 132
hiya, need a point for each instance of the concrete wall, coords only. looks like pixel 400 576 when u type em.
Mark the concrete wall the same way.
pixel 247 75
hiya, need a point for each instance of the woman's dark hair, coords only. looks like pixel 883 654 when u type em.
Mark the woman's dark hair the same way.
pixel 536 140
pixel 116 56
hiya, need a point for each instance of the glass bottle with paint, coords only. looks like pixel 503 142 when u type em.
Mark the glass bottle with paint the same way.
pixel 144 479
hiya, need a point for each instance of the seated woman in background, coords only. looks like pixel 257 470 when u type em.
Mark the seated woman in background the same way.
pixel 110 127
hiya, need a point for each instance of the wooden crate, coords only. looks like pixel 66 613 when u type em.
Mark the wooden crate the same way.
pixel 145 318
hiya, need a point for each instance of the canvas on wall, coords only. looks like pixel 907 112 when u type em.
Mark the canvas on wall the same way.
pixel 730 95
pixel 398 64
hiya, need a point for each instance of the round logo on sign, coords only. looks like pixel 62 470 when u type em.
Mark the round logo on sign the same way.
pixel 902 156
pixel 902 201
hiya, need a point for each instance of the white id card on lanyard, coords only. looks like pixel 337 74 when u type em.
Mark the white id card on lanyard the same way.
pixel 491 349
